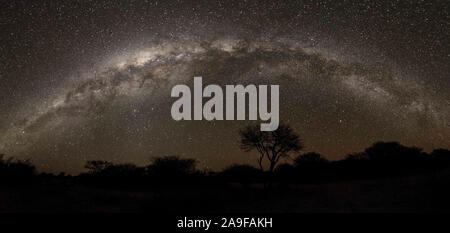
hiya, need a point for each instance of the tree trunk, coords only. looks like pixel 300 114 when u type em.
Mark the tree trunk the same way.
pixel 272 167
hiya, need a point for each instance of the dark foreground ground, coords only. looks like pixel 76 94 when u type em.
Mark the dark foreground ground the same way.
pixel 419 193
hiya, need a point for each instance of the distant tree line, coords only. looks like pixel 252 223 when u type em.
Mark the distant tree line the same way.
pixel 382 159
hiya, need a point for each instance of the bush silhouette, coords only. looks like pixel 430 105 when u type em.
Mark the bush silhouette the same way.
pixel 392 151
pixel 311 166
pixel 440 158
pixel 16 172
pixel 172 166
pixel 97 167
pixel 310 159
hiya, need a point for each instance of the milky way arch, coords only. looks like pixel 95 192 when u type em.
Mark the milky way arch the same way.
pixel 121 112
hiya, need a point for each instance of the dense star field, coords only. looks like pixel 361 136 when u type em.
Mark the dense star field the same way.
pixel 92 80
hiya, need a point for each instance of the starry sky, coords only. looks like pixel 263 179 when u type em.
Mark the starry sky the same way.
pixel 84 80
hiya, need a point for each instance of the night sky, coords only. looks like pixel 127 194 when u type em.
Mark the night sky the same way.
pixel 85 80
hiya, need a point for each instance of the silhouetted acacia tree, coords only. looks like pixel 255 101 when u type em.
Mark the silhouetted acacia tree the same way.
pixel 271 145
